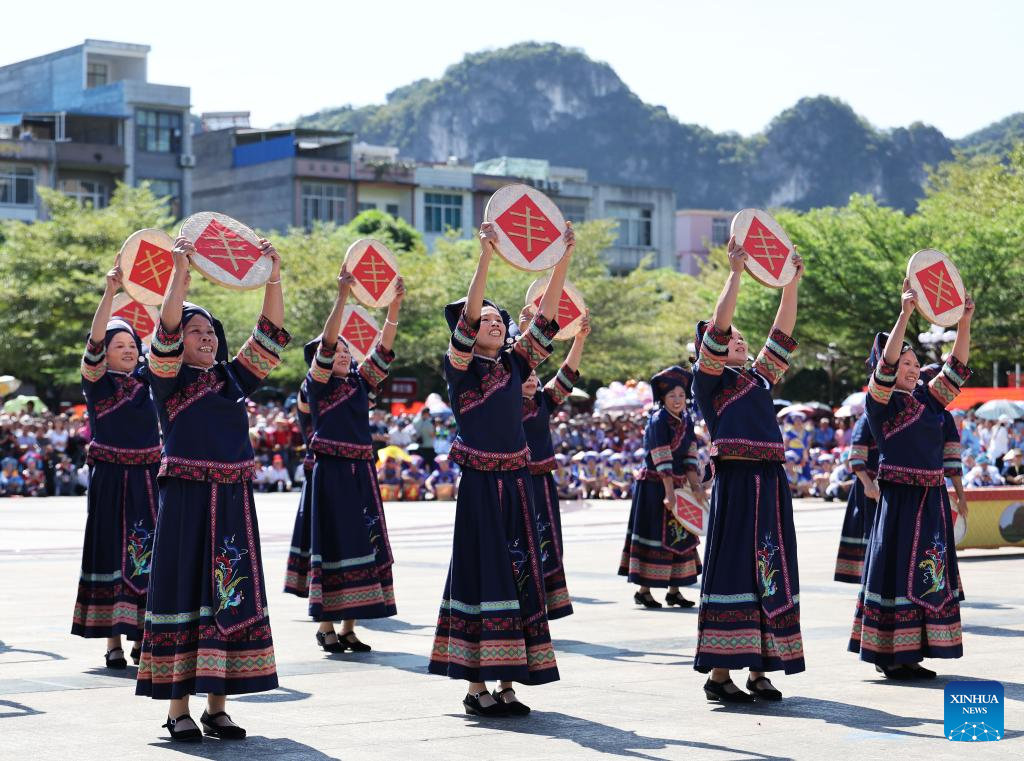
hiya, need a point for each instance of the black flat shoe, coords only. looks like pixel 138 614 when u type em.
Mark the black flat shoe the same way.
pixel 330 647
pixel 898 673
pixel 224 732
pixel 717 691
pixel 767 692
pixel 676 598
pixel 136 654
pixel 117 662
pixel 920 672
pixel 192 735
pixel 351 641
pixel 512 707
pixel 646 599
pixel 472 705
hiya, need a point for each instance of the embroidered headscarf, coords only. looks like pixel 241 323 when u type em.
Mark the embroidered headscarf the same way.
pixel 190 310
pixel 669 378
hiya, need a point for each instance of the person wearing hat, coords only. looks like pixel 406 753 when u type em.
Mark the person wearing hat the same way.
pixel 539 404
pixel 350 573
pixel 860 504
pixel 1013 467
pixel 275 475
pixel 750 606
pixel 659 552
pixel 413 479
pixel 441 481
pixel 619 479
pixel 296 578
pixel 999 440
pixel 908 608
pixel 984 473
pixel 207 626
pixel 123 459
pixel 492 623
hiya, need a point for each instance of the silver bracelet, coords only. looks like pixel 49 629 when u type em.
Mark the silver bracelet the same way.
pixel 392 322
pixel 274 282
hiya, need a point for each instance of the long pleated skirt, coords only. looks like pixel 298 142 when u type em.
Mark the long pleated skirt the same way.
pixel 296 577
pixel 749 613
pixel 853 541
pixel 658 551
pixel 350 561
pixel 909 605
pixel 492 624
pixel 207 622
pixel 118 550
pixel 549 532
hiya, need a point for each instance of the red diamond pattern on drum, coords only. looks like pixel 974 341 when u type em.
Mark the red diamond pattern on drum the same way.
pixel 135 314
pixel 765 248
pixel 690 512
pixel 373 273
pixel 227 249
pixel 152 267
pixel 525 224
pixel 938 288
pixel 359 333
pixel 567 309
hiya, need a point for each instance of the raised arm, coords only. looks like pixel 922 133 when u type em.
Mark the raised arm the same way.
pixel 572 359
pixel 785 318
pixel 333 325
pixel 273 297
pixel 377 365
pixel 98 331
pixel 962 344
pixel 558 388
pixel 478 285
pixel 170 311
pixel 725 307
pixel 891 353
pixel 387 335
pixel 556 283
pixel 945 386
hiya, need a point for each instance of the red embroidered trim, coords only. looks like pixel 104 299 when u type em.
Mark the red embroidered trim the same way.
pixel 744 385
pixel 477 459
pixel 753 450
pixel 495 380
pixel 341 394
pixel 207 470
pixel 208 382
pixel 530 408
pixel 127 388
pixel 652 475
pixel 542 466
pixel 345 449
pixel 903 419
pixel 899 474
pixel 119 456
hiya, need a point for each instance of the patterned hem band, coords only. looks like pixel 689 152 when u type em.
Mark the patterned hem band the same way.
pixel 542 466
pixel 207 470
pixel 652 475
pixel 103 453
pixel 898 474
pixel 346 449
pixel 477 459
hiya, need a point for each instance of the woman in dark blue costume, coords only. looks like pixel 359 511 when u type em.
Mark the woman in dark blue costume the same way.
pixel 750 594
pixel 493 623
pixel 909 605
pixel 860 505
pixel 539 404
pixel 207 625
pixel 123 458
pixel 296 577
pixel 350 561
pixel 659 552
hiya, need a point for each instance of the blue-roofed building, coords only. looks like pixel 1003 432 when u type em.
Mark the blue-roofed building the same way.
pixel 83 118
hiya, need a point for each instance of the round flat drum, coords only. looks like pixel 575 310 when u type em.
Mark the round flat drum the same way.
pixel 959 528
pixel 142 317
pixel 940 291
pixel 770 260
pixel 529 226
pixel 375 269
pixel 691 510
pixel 146 262
pixel 227 252
pixel 571 307
pixel 359 330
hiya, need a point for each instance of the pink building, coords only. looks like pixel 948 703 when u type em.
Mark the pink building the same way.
pixel 698 231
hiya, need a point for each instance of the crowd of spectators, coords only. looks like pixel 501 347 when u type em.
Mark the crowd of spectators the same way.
pixel 44 454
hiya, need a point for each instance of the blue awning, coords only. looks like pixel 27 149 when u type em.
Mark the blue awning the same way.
pixel 10 120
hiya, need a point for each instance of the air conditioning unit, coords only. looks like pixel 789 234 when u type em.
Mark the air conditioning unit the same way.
pixel 187 160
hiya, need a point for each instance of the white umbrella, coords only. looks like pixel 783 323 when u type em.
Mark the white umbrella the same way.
pixel 858 399
pixel 846 411
pixel 997 408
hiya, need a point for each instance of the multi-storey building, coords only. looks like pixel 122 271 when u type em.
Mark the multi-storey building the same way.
pixel 81 119
pixel 697 232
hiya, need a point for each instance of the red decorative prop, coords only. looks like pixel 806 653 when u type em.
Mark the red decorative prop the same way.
pixel 528 228
pixel 938 288
pixel 227 249
pixel 359 333
pixel 152 268
pixel 690 512
pixel 135 314
pixel 567 309
pixel 767 250
pixel 374 273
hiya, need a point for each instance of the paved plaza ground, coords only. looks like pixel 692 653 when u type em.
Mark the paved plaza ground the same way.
pixel 628 688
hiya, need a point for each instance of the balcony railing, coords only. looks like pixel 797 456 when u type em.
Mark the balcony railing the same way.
pixel 103 158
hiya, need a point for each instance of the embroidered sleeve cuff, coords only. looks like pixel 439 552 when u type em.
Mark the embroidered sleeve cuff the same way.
pixel 270 336
pixel 323 363
pixel 858 457
pixel 167 343
pixel 945 386
pixel 534 345
pixel 460 348
pixel 882 382
pixel 257 358
pixel 94 361
pixel 662 456
pixel 559 387
pixel 375 367
pixel 714 348
pixel 951 462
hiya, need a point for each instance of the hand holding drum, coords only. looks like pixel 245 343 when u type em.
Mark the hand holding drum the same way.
pixel 529 232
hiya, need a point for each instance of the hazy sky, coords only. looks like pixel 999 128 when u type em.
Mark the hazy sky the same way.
pixel 726 65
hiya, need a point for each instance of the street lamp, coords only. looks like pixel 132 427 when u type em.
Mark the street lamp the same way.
pixel 829 357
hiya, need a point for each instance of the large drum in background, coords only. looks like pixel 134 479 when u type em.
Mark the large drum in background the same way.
pixel 147 263
pixel 227 252
pixel 769 249
pixel 142 317
pixel 529 227
pixel 940 290
pixel 995 518
pixel 359 330
pixel 375 269
pixel 571 306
